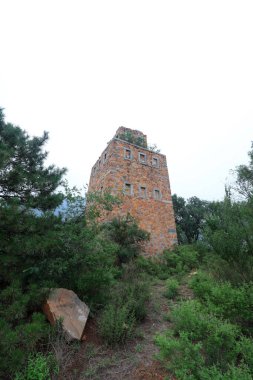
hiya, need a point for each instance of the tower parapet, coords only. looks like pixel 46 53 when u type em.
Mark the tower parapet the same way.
pixel 132 136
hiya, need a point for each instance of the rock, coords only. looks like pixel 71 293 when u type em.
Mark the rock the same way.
pixel 64 304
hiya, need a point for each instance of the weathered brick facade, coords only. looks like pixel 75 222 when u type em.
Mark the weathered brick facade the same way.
pixel 141 177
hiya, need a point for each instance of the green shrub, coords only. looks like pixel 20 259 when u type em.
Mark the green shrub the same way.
pixel 201 284
pixel 203 250
pixel 182 259
pixel 227 302
pixel 229 233
pixel 128 235
pixel 172 286
pixel 187 359
pixel 218 339
pixel 116 324
pixel 14 356
pixel 221 299
pixel 127 305
pixel 180 355
pixel 17 303
pixel 192 318
pixel 136 296
pixel 17 343
pixel 245 349
pixel 233 373
pixel 224 270
pixel 224 300
pixel 39 367
pixel 133 290
pixel 153 266
pixel 30 334
pixel 221 344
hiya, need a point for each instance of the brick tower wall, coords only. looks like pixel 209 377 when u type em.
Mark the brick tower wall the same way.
pixel 141 178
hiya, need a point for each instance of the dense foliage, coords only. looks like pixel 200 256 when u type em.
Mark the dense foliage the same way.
pixel 41 249
pixel 190 218
pixel 126 233
pixel 23 177
pixel 212 333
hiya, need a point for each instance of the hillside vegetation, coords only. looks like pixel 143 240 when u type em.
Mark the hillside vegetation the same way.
pixel 188 314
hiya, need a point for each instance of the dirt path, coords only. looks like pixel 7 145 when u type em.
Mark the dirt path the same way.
pixel 133 361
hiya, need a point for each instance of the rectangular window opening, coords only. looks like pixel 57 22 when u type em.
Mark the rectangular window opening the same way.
pixel 155 162
pixel 128 189
pixel 128 154
pixel 157 194
pixel 142 157
pixel 143 192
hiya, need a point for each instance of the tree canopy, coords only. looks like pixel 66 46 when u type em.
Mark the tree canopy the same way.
pixel 244 177
pixel 189 216
pixel 24 178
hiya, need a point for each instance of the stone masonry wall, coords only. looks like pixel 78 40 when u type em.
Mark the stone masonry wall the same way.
pixel 141 177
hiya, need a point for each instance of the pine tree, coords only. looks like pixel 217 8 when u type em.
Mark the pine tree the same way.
pixel 24 179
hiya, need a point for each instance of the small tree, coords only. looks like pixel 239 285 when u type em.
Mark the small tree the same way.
pixel 127 234
pixel 23 175
pixel 189 217
pixel 244 180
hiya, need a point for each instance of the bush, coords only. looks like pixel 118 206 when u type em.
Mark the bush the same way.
pixel 180 355
pixel 172 286
pixel 181 260
pixel 133 290
pixel 187 359
pixel 233 373
pixel 127 305
pixel 221 344
pixel 127 234
pixel 216 339
pixel 229 233
pixel 202 284
pixel 245 348
pixel 153 266
pixel 116 324
pixel 39 367
pixel 224 270
pixel 17 343
pixel 136 296
pixel 191 317
pixel 97 272
pixel 224 300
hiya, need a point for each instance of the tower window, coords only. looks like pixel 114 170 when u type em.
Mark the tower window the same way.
pixel 143 192
pixel 105 155
pixel 128 154
pixel 142 157
pixel 155 162
pixel 128 188
pixel 157 194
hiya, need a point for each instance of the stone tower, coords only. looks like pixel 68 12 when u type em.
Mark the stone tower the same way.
pixel 128 168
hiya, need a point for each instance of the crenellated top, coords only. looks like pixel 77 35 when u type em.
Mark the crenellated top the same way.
pixel 132 136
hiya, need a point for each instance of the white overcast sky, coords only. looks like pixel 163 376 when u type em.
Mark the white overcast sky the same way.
pixel 180 71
